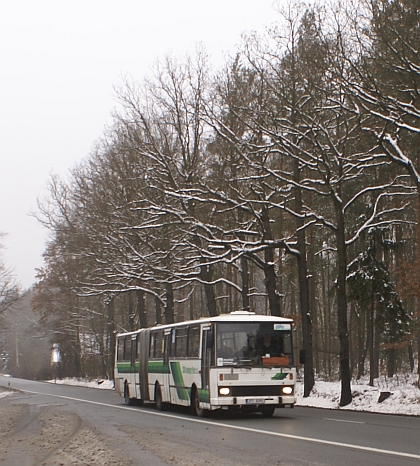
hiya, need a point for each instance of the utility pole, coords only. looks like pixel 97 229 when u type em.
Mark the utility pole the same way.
pixel 17 351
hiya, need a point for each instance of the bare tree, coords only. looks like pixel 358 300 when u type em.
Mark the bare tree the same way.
pixel 9 288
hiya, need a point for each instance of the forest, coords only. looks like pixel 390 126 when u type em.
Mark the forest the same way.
pixel 287 182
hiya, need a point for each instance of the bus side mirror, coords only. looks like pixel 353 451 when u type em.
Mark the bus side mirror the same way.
pixel 302 356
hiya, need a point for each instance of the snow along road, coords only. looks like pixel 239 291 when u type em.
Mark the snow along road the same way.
pixel 51 424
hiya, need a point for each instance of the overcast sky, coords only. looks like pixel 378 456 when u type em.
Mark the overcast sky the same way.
pixel 59 63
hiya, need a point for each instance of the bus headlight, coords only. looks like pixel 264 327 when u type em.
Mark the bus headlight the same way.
pixel 224 391
pixel 287 390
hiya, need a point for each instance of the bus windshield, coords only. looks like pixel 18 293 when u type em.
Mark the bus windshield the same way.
pixel 254 344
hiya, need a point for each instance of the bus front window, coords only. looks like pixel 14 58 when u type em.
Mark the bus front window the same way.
pixel 251 343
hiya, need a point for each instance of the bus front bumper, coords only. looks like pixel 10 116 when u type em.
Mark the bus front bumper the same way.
pixel 279 401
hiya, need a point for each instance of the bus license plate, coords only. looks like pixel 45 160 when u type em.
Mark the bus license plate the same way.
pixel 254 401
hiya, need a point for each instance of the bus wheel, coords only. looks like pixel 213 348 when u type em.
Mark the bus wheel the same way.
pixel 267 411
pixel 160 405
pixel 195 404
pixel 128 401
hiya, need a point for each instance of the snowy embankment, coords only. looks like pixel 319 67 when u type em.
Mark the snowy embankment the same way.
pixel 404 395
pixel 97 383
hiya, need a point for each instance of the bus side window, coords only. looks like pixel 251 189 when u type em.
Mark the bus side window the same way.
pixel 134 351
pixel 181 342
pixel 159 345
pixel 152 346
pixel 193 342
pixel 127 351
pixel 172 348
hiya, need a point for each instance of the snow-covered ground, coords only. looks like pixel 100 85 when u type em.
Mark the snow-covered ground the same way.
pixel 97 383
pixel 404 398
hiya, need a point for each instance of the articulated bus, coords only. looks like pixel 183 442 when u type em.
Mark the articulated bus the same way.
pixel 233 361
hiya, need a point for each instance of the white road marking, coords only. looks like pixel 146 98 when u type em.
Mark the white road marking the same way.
pixel 342 420
pixel 245 429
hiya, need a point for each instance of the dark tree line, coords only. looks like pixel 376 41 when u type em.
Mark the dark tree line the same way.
pixel 286 183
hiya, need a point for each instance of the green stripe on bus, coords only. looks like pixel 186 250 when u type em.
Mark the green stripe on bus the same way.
pixel 182 392
pixel 127 368
pixel 280 376
pixel 157 367
pixel 204 395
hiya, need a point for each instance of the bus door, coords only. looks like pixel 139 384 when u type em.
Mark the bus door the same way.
pixel 143 362
pixel 167 378
pixel 133 369
pixel 206 356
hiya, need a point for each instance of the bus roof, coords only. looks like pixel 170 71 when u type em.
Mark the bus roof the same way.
pixel 235 316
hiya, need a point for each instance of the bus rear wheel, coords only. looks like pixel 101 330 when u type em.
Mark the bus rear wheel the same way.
pixel 128 401
pixel 160 405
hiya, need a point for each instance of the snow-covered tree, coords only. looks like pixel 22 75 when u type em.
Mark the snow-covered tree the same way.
pixel 385 86
pixel 370 285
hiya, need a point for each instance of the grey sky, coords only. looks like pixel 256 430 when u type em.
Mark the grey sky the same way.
pixel 59 63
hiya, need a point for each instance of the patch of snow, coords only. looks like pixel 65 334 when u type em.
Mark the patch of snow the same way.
pixel 97 383
pixel 404 398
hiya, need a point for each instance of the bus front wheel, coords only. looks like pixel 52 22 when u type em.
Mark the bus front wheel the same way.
pixel 268 411
pixel 195 403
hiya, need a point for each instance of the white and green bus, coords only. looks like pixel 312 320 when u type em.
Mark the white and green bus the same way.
pixel 233 361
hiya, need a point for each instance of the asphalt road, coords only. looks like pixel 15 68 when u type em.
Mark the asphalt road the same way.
pixel 143 435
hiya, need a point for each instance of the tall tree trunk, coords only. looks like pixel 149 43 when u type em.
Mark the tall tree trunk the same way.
pixel 418 358
pixel 131 312
pixel 206 275
pixel 280 281
pixel 313 284
pixel 353 363
pixel 77 350
pixel 325 349
pixel 391 361
pixel 309 378
pixel 305 311
pixel 371 341
pixel 377 339
pixel 328 333
pixel 235 295
pixel 169 308
pixel 411 356
pixel 245 283
pixel 361 350
pixel 417 259
pixel 345 374
pixel 111 338
pixel 192 305
pixel 141 309
pixel 158 306
pixel 269 266
pixel 270 282
pixel 78 358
